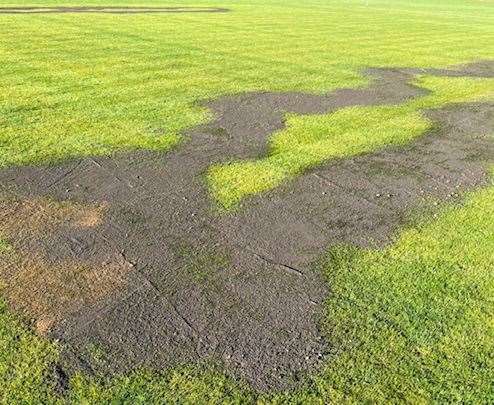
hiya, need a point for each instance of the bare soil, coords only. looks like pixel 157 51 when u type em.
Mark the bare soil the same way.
pixel 110 9
pixel 191 283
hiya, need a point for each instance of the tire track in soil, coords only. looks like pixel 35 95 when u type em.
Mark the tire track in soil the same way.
pixel 238 288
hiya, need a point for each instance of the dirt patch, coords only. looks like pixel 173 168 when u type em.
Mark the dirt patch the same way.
pixel 239 288
pixel 110 9
pixel 39 215
pixel 48 288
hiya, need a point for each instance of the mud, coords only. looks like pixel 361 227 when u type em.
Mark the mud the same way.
pixel 110 10
pixel 236 288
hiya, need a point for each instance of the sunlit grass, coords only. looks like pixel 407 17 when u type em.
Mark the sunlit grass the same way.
pixel 413 322
pixel 309 141
pixel 88 84
pixel 25 362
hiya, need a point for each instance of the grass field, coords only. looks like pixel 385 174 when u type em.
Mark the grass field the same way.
pixel 101 84
pixel 412 322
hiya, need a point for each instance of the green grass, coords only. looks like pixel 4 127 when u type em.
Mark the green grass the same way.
pixel 310 140
pixel 415 322
pixel 186 384
pixel 24 362
pixel 412 322
pixel 86 84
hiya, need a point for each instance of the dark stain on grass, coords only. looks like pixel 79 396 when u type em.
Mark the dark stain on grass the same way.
pixel 110 10
pixel 257 309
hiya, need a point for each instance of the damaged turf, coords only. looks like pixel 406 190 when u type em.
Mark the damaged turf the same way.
pixel 158 277
pixel 110 10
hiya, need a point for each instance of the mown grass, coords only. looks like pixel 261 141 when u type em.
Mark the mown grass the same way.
pixel 410 323
pixel 414 322
pixel 87 84
pixel 310 140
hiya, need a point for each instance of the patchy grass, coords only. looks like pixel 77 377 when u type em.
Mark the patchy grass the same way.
pixel 104 83
pixel 310 140
pixel 27 376
pixel 413 323
pixel 201 266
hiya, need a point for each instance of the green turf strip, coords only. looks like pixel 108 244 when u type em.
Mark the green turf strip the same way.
pixel 310 140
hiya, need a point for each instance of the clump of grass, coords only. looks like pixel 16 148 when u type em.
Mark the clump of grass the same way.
pixel 4 246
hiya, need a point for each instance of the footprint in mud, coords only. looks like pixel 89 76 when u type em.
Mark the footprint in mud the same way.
pixel 127 255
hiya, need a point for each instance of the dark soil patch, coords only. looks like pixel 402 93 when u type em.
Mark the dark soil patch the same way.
pixel 238 288
pixel 110 9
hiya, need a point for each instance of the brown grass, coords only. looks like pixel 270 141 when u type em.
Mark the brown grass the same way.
pixel 43 291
